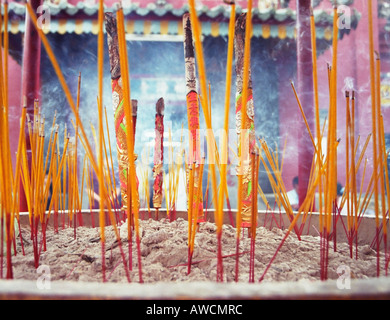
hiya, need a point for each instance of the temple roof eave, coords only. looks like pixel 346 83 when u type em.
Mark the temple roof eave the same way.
pixel 81 18
pixel 91 9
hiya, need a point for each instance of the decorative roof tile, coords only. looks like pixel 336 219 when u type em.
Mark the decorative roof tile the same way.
pixel 80 17
pixel 89 8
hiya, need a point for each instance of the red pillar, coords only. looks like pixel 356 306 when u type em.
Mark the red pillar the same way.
pixel 305 92
pixel 30 78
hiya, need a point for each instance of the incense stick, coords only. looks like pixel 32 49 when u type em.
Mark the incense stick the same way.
pixel 374 125
pixel 158 155
pixel 244 116
pixel 381 148
pixel 192 110
pixel 129 131
pixel 204 101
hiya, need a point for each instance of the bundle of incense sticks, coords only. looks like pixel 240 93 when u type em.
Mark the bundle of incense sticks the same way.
pixel 193 118
pixel 244 122
pixel 118 106
pixel 158 156
pixel 97 166
pixel 37 188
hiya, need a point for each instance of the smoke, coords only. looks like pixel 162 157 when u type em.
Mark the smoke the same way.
pixel 157 70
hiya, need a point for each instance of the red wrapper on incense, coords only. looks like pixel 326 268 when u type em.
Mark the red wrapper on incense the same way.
pixel 118 106
pixel 193 116
pixel 246 150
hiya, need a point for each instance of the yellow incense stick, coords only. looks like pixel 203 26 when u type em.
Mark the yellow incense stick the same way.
pixel 57 180
pixel 317 113
pixel 381 143
pixel 19 156
pixel 374 118
pixel 109 146
pixel 195 219
pixel 331 178
pixel 385 156
pixel 304 118
pixel 203 85
pixel 353 161
pixel 83 177
pixel 255 208
pixel 131 173
pixel 347 168
pixel 190 201
pixel 6 49
pixel 102 191
pixel 129 121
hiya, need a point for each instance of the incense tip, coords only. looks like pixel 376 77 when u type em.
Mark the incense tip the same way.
pixel 160 106
pixel 378 57
pixel 347 94
pixel 118 6
pixel 134 105
pixel 231 2
pixel 353 94
pixel 186 16
pixel 311 11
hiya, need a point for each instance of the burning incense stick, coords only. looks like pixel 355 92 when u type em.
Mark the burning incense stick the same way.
pixel 192 111
pixel 385 156
pixel 374 125
pixel 118 106
pixel 204 103
pixel 223 191
pixel 158 156
pixel 131 173
pixel 317 114
pixel 118 103
pixel 331 175
pixel 102 190
pixel 347 165
pixel 354 167
pixel 245 125
pixel 203 85
pixel 381 148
